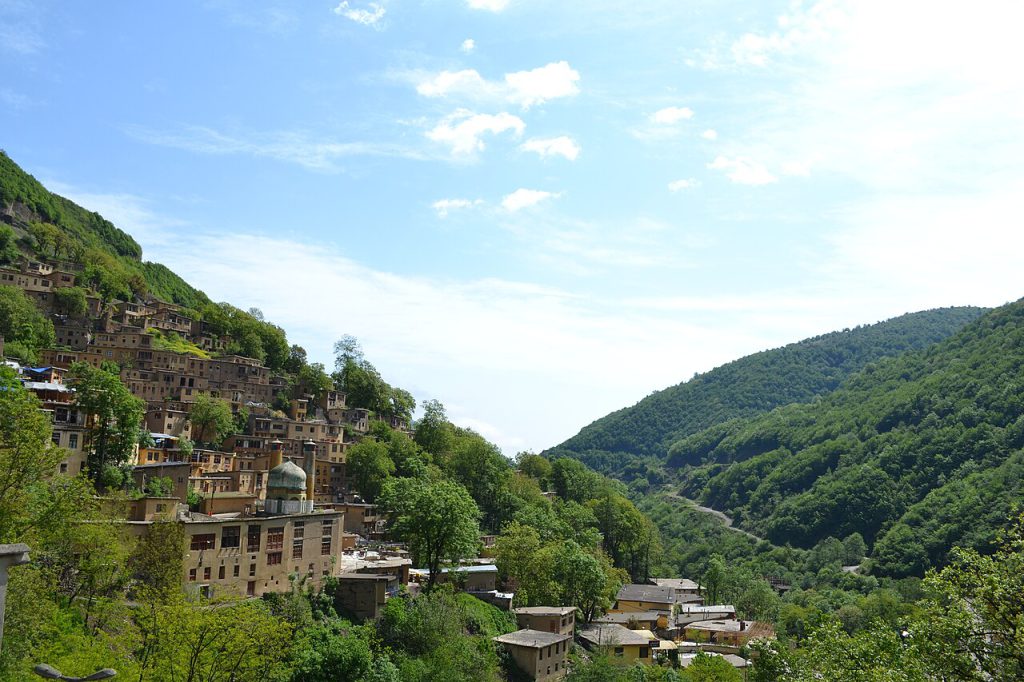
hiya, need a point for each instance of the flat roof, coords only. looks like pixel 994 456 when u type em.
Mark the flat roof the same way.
pixel 652 593
pixel 534 639
pixel 546 610
pixel 611 634
pixel 676 583
pixel 724 625
pixel 635 615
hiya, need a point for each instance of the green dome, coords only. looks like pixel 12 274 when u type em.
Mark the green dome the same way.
pixel 287 476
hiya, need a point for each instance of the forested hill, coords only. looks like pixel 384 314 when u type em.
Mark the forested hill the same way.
pixel 749 386
pixel 52 227
pixel 917 453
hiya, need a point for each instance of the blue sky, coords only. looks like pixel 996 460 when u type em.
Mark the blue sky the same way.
pixel 539 212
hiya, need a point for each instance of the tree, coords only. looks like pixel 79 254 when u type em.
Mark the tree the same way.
pixel 28 458
pixel 211 419
pixel 368 464
pixel 710 668
pixel 433 432
pixel 23 327
pixel 714 580
pixel 437 518
pixel 70 301
pixel 115 416
pixel 535 467
pixel 158 560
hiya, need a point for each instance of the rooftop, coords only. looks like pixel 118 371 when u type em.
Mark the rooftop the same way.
pixel 637 616
pixel 651 593
pixel 611 634
pixel 725 625
pixel 532 638
pixel 546 610
pixel 676 583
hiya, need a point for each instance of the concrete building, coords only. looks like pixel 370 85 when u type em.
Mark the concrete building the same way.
pixel 645 598
pixel 619 641
pixel 363 595
pixel 541 655
pixel 560 620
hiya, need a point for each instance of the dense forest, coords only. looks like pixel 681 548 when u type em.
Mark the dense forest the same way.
pixel 618 443
pixel 916 453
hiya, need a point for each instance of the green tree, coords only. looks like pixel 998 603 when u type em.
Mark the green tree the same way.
pixel 23 327
pixel 9 252
pixel 437 518
pixel 211 418
pixel 158 562
pixel 115 416
pixel 70 301
pixel 709 668
pixel 433 432
pixel 368 464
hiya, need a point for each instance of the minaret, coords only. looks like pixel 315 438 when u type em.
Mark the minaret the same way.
pixel 309 448
pixel 276 455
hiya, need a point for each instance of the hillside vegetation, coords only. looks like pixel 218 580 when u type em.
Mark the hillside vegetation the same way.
pixel 916 453
pixel 757 383
pixel 52 227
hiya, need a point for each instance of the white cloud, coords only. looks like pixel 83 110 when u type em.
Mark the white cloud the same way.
pixel 366 17
pixel 462 130
pixel 544 83
pixel 525 88
pixel 553 146
pixel 524 198
pixel 743 171
pixel 444 206
pixel 489 5
pixel 796 30
pixel 680 185
pixel 289 146
pixel 671 115
pixel 710 134
pixel 468 45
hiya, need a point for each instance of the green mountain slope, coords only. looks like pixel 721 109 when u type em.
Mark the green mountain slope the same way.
pixel 50 226
pixel 919 452
pixel 751 385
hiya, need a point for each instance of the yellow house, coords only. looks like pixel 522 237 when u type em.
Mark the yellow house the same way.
pixel 635 597
pixel 629 645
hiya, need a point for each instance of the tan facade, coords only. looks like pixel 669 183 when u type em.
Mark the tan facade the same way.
pixel 541 655
pixel 560 620
pixel 254 555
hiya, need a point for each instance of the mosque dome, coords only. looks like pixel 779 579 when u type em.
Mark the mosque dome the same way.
pixel 287 476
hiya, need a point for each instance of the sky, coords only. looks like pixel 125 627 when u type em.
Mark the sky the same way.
pixel 537 212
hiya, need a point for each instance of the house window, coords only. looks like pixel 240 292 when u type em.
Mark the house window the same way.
pixel 231 536
pixel 299 531
pixel 55 437
pixel 252 541
pixel 220 573
pixel 252 570
pixel 618 651
pixel 204 541
pixel 63 467
pixel 273 558
pixel 325 546
pixel 275 538
pixel 643 652
pixel 296 549
pixel 235 571
pixel 207 572
pixel 192 575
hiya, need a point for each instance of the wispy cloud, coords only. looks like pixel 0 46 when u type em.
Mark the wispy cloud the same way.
pixel 463 130
pixel 445 206
pixel 367 17
pixel 489 5
pixel 563 146
pixel 682 184
pixel 525 198
pixel 671 115
pixel 21 28
pixel 289 146
pixel 743 171
pixel 710 134
pixel 15 100
pixel 523 88
pixel 468 45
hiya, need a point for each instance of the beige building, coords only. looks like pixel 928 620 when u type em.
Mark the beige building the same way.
pixel 645 598
pixel 560 620
pixel 541 655
pixel 621 642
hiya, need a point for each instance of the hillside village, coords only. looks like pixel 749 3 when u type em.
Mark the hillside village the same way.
pixel 274 500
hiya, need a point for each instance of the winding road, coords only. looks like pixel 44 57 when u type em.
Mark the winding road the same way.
pixel 726 520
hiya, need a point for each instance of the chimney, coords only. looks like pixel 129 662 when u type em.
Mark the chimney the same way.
pixel 309 447
pixel 276 456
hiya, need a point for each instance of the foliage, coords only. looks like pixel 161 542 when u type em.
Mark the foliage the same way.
pixel 115 416
pixel 438 519
pixel 23 327
pixel 70 301
pixel 369 467
pixel 363 384
pixel 173 342
pixel 211 418
pixel 757 383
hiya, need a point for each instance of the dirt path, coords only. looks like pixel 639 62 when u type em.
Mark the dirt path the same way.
pixel 726 520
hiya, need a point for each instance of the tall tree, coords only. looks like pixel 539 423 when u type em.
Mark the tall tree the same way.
pixel 211 419
pixel 437 518
pixel 368 464
pixel 114 414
